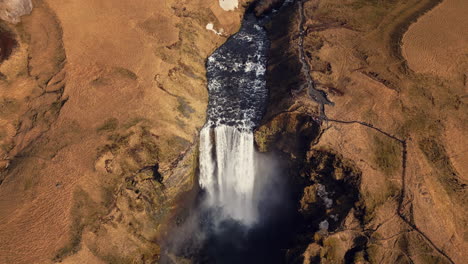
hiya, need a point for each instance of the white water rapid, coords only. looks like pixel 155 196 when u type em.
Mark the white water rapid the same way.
pixel 237 95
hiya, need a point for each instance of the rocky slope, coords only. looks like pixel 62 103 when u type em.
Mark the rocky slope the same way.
pixel 99 111
pixel 375 161
pixel 101 103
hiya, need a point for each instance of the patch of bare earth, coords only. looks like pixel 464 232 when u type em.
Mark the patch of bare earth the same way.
pixel 438 42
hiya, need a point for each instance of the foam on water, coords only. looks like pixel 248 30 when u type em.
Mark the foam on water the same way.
pixel 237 89
pixel 227 171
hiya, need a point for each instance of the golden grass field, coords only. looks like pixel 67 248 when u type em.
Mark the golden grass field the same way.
pixel 96 93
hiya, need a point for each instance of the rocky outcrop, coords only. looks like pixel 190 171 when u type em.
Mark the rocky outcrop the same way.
pixel 101 102
pixel 363 149
pixel 12 10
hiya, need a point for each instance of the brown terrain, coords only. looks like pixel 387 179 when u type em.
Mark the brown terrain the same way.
pixel 437 43
pixel 101 103
pixel 393 133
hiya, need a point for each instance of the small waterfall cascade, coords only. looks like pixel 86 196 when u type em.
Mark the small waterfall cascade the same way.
pixel 237 96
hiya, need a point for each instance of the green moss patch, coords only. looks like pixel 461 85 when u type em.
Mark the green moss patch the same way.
pixel 436 154
pixel 184 108
pixel 387 154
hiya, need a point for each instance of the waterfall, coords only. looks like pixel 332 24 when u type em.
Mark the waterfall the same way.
pixel 244 212
pixel 227 171
pixel 237 95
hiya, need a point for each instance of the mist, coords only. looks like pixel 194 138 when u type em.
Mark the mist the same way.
pixel 208 235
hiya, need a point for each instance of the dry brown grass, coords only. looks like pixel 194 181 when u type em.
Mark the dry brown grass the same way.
pixel 437 43
pixel 118 119
pixel 360 40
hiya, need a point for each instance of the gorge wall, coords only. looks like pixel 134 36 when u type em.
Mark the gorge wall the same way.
pixel 372 163
pixel 102 103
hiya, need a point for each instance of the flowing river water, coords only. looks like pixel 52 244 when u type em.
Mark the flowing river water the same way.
pixel 237 96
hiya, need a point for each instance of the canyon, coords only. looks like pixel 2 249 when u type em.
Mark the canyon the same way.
pixel 177 131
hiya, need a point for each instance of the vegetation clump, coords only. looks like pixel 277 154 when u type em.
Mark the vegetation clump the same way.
pixel 110 124
pixel 387 155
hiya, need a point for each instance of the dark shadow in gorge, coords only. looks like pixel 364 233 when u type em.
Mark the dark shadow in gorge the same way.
pixel 7 43
pixel 197 238
pixel 324 187
pixel 284 67
pixel 265 242
pixel 291 134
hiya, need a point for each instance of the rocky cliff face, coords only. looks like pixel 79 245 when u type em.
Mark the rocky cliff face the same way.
pixel 364 136
pixel 101 103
